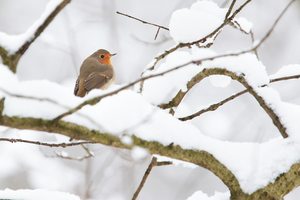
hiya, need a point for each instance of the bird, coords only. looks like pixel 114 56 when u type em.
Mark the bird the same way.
pixel 96 71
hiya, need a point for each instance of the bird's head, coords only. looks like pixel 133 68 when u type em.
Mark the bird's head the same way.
pixel 103 56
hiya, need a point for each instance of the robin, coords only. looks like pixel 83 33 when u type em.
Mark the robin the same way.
pixel 96 71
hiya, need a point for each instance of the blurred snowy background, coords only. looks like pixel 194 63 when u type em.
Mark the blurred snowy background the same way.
pixel 85 26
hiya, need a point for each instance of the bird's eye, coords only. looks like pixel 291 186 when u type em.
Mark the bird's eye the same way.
pixel 102 56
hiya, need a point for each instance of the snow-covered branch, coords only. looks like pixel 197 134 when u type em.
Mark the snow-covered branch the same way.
pixel 201 158
pixel 202 40
pixel 221 71
pixel 12 47
pixel 123 118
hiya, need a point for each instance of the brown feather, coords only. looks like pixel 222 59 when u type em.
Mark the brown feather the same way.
pixel 95 80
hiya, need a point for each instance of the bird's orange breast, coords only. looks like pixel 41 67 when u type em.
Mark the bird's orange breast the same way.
pixel 105 61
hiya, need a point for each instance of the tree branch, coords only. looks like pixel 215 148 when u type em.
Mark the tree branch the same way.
pixel 282 185
pixel 201 158
pixel 152 164
pixel 11 60
pixel 143 21
pixel 63 145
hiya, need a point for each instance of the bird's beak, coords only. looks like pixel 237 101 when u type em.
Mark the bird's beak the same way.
pixel 113 54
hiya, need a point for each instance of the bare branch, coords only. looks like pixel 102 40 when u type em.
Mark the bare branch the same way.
pixel 143 21
pixel 152 164
pixel 63 145
pixel 147 172
pixel 212 107
pixel 11 60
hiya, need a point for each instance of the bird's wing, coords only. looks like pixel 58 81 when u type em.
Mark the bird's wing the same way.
pixel 96 80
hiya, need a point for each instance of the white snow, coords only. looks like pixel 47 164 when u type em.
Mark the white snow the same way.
pixel 199 195
pixel 138 153
pixel 13 42
pixel 191 24
pixel 126 140
pixel 131 113
pixel 247 65
pixel 38 194
pixel 220 81
pixel 288 113
pixel 288 70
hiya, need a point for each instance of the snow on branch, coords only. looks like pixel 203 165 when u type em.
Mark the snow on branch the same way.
pixel 106 117
pixel 129 112
pixel 204 39
pixel 251 77
pixel 12 47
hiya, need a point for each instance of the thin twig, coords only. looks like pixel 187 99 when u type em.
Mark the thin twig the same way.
pixel 143 21
pixel 156 33
pixel 212 107
pixel 274 24
pixel 63 145
pixel 152 164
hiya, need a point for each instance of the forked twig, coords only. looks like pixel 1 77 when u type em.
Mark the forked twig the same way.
pixel 152 164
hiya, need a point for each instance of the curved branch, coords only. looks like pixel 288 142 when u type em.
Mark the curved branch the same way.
pixel 215 106
pixel 220 71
